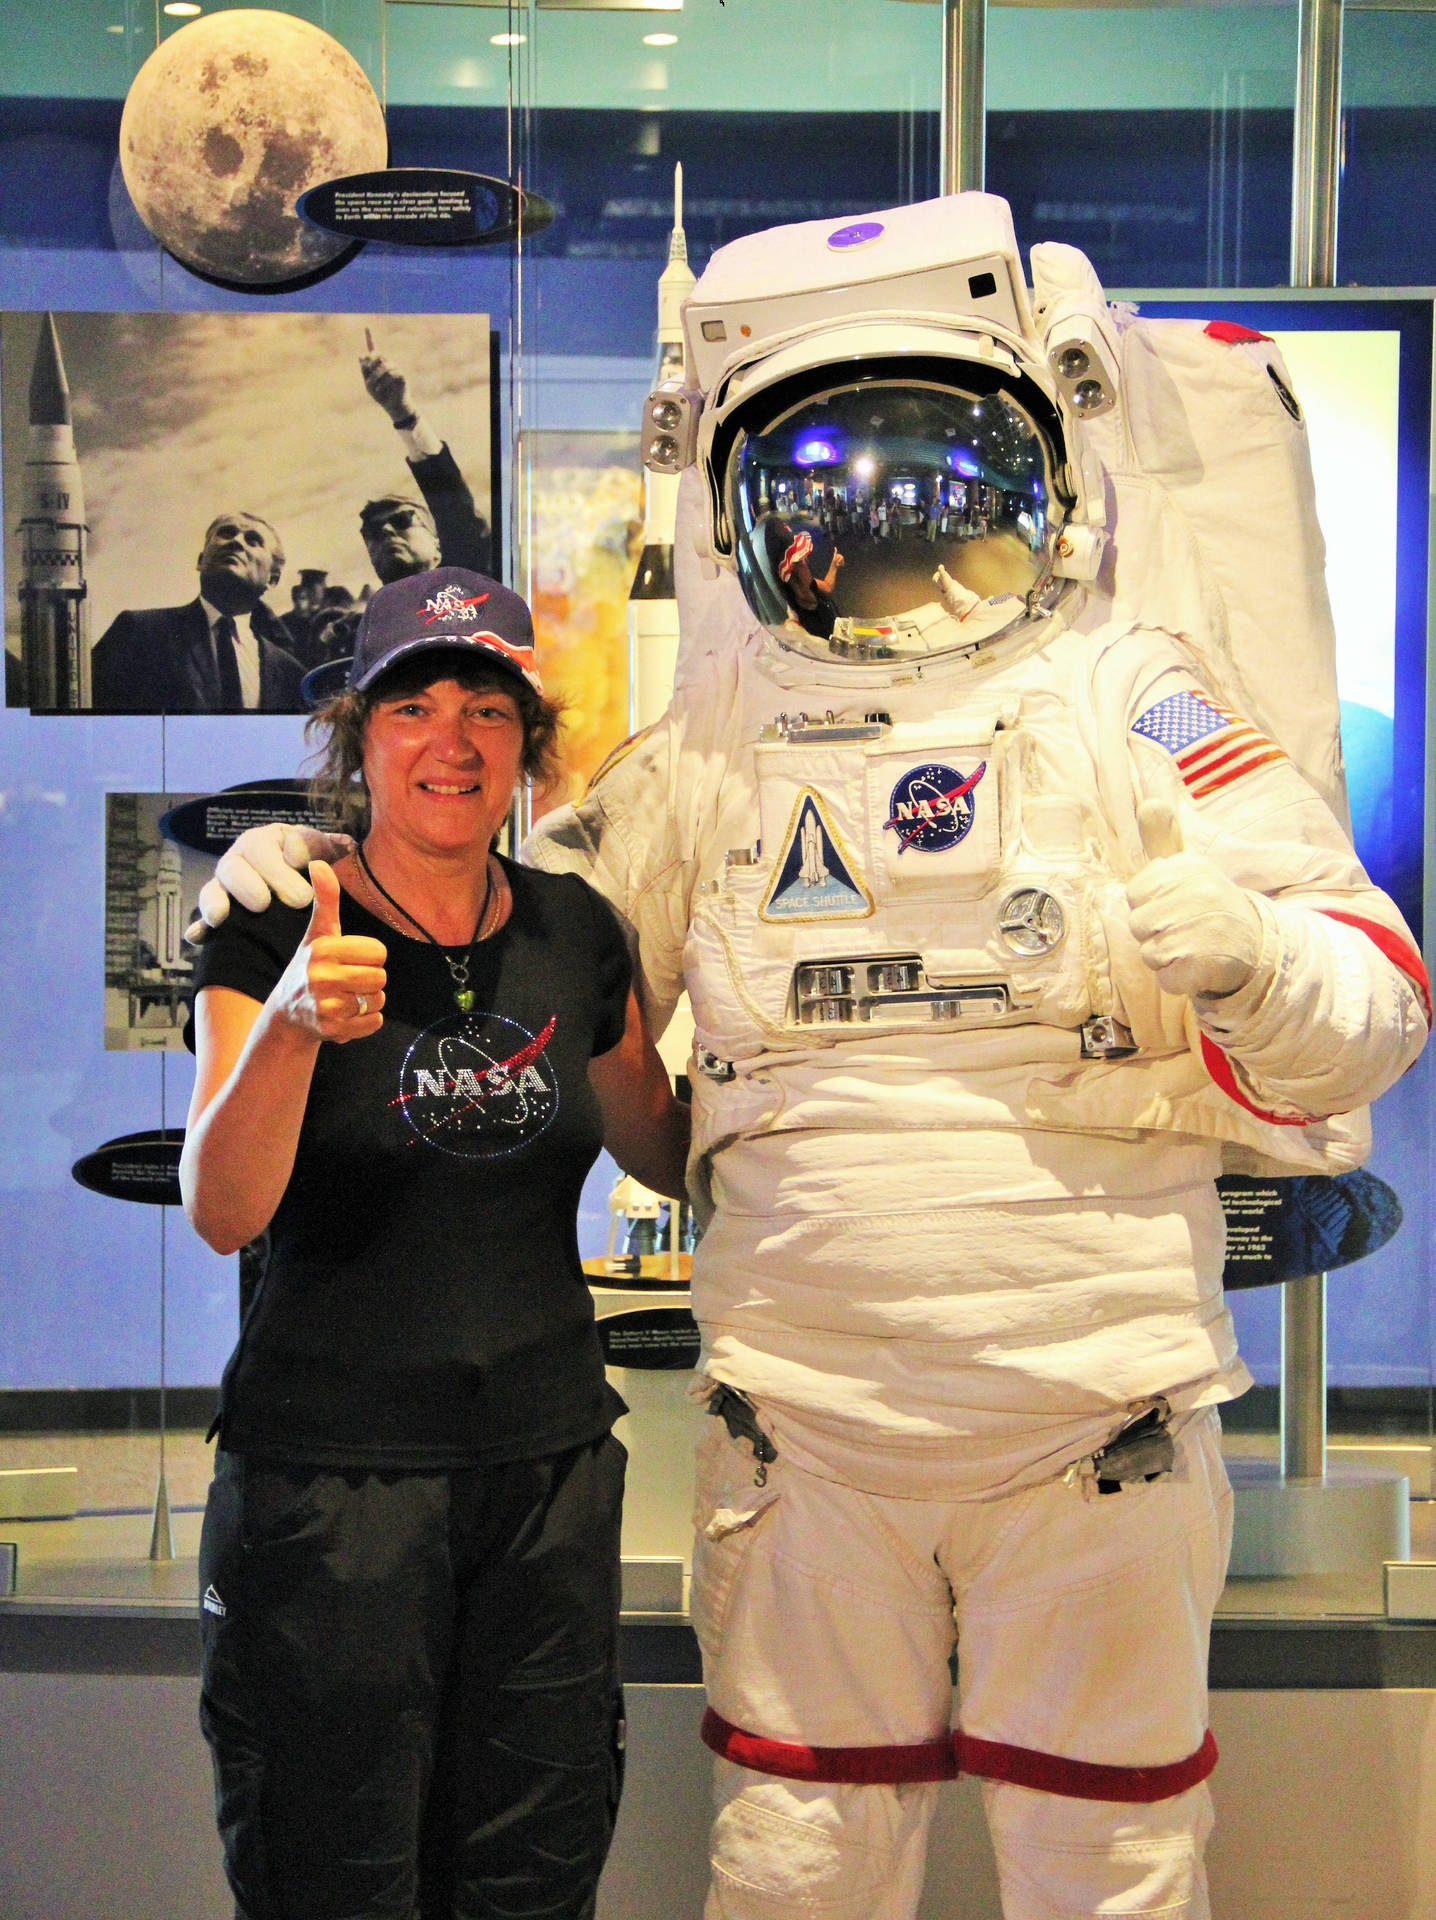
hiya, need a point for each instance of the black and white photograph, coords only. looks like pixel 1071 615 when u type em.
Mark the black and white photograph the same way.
pixel 151 888
pixel 197 506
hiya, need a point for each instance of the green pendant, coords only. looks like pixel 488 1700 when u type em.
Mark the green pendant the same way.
pixel 464 1000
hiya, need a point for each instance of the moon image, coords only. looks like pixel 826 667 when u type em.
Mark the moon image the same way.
pixel 227 123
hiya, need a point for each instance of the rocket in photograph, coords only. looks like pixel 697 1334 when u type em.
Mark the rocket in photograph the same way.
pixel 54 611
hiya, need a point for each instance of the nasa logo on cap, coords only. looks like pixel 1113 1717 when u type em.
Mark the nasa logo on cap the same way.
pixel 857 233
pixel 932 808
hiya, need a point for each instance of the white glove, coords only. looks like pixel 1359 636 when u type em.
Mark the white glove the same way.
pixel 958 599
pixel 1199 932
pixel 262 862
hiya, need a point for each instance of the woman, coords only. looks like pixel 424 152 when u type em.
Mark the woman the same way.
pixel 410 1554
pixel 804 559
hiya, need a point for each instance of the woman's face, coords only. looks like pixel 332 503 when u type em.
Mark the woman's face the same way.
pixel 441 764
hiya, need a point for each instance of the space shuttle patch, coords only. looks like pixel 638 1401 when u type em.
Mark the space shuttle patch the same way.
pixel 815 877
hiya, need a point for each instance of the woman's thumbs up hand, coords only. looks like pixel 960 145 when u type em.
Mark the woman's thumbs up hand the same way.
pixel 333 988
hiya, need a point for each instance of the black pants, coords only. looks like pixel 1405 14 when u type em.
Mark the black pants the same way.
pixel 410 1686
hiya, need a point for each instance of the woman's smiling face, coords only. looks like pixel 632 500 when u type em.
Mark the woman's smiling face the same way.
pixel 441 763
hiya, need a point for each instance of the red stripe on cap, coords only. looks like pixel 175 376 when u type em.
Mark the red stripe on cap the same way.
pixel 523 655
pixel 1082 1779
pixel 1398 950
pixel 1233 334
pixel 1222 1071
pixel 844 1766
pixel 798 550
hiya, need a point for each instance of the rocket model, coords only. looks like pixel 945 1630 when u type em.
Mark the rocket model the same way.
pixel 161 918
pixel 652 654
pixel 652 609
pixel 54 612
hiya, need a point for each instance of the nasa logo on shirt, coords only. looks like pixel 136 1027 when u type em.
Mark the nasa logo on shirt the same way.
pixel 479 1085
pixel 932 808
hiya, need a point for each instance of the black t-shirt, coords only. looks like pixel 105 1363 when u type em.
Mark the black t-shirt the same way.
pixel 422 1302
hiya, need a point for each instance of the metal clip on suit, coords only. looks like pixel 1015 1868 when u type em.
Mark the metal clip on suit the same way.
pixel 738 1415
pixel 1143 1450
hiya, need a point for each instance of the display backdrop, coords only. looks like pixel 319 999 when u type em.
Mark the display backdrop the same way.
pixel 80 1281
pixel 587 527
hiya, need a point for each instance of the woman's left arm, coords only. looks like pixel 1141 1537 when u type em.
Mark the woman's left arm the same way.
pixel 645 1127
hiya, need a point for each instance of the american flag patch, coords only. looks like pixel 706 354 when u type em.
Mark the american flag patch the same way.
pixel 1211 745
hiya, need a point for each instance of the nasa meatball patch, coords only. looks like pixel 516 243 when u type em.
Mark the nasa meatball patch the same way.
pixel 937 819
pixel 932 808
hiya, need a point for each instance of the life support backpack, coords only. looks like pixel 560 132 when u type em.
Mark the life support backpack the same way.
pixel 1212 529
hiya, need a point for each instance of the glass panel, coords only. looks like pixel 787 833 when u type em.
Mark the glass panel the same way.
pixel 1386 234
pixel 1157 140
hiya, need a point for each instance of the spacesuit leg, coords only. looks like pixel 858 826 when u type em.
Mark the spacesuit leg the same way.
pixel 1083 1627
pixel 1059 1858
pixel 786 1847
pixel 826 1627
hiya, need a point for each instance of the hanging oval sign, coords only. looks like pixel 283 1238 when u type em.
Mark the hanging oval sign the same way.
pixel 211 822
pixel 652 1339
pixel 1281 1229
pixel 425 207
pixel 135 1166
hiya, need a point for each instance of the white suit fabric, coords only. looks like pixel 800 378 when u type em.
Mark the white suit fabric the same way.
pixel 948 1264
pixel 1081 1623
pixel 954 1148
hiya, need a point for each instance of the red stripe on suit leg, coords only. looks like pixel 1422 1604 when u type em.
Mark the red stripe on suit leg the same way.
pixel 1082 1779
pixel 838 1766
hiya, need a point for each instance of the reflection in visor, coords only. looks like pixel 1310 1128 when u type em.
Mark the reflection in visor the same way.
pixel 875 517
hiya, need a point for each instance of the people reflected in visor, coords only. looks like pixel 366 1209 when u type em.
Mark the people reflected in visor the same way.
pixel 803 558
pixel 917 504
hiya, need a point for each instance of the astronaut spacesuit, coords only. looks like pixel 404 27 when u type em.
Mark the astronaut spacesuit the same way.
pixel 1005 930
pixel 960 1098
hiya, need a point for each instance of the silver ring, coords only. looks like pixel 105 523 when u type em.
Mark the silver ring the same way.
pixel 361 1004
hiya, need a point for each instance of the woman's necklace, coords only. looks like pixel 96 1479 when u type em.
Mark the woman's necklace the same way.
pixel 458 969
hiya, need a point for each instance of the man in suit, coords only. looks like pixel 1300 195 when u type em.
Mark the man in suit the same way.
pixel 404 535
pixel 222 653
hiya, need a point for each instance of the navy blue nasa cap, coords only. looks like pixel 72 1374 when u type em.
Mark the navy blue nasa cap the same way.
pixel 445 608
pixel 801 541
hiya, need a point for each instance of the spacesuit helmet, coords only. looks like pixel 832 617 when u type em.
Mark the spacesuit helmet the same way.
pixel 881 387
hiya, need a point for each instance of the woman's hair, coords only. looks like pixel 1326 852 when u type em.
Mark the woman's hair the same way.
pixel 339 726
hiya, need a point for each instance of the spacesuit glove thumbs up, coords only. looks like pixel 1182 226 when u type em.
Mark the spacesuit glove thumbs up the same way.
pixel 265 862
pixel 1199 932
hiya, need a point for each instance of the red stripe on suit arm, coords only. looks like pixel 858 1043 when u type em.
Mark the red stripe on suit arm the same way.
pixel 1218 748
pixel 1397 948
pixel 1201 786
pixel 1224 1074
